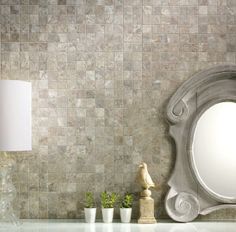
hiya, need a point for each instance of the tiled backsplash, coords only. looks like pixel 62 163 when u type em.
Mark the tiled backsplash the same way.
pixel 98 106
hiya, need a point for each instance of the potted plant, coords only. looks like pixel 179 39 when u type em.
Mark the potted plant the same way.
pixel 126 203
pixel 108 201
pixel 90 209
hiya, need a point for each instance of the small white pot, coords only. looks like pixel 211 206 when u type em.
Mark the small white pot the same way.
pixel 107 215
pixel 125 215
pixel 90 214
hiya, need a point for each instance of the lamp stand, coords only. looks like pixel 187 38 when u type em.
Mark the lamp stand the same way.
pixel 7 190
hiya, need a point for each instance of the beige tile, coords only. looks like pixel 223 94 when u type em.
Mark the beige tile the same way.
pixel 97 107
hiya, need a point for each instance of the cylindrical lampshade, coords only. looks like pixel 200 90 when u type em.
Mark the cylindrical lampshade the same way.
pixel 15 115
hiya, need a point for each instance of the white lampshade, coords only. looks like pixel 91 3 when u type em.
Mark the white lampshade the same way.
pixel 15 115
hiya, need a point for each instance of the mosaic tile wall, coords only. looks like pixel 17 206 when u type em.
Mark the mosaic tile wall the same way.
pixel 98 106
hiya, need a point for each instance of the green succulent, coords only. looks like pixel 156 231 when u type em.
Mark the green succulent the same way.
pixel 89 200
pixel 126 201
pixel 108 200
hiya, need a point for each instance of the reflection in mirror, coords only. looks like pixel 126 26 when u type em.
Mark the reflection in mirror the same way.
pixel 214 150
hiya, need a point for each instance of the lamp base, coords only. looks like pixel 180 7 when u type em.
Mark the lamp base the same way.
pixel 7 190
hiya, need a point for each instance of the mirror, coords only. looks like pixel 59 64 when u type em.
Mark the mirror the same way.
pixel 214 150
pixel 202 123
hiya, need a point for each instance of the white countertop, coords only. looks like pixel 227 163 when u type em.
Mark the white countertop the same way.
pixel 80 226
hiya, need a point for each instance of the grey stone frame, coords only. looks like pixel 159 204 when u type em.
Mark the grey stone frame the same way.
pixel 188 196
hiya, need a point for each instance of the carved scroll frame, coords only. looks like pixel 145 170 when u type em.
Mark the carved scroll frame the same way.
pixel 188 197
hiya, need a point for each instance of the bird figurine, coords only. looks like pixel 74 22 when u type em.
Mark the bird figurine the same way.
pixel 145 180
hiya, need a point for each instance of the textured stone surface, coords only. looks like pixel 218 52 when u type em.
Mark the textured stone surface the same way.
pixel 146 211
pixel 98 109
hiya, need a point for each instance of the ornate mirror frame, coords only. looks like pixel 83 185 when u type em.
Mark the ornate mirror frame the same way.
pixel 188 197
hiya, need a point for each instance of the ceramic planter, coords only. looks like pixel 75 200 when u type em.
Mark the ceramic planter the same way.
pixel 90 214
pixel 107 215
pixel 125 215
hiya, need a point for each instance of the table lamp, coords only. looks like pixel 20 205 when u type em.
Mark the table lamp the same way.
pixel 15 135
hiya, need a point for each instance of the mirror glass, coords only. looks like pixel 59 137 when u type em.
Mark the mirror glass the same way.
pixel 214 149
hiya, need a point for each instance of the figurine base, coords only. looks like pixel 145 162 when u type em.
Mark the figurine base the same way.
pixel 146 209
pixel 147 220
